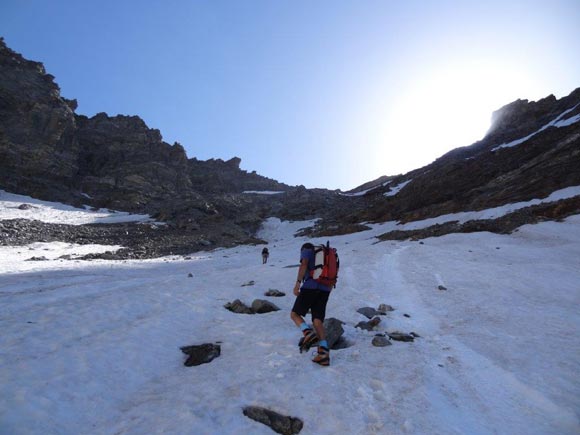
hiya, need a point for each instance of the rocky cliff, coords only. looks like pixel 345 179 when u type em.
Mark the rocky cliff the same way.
pixel 531 150
pixel 49 152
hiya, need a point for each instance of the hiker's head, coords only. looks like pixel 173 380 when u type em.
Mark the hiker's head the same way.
pixel 307 246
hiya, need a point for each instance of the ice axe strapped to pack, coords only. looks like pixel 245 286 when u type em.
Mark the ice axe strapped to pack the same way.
pixel 326 264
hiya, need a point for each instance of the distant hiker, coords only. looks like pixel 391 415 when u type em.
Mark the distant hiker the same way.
pixel 316 277
pixel 265 254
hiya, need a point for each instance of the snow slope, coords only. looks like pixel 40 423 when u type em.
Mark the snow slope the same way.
pixel 93 347
pixel 53 212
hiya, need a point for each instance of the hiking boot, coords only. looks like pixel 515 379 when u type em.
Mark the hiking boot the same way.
pixel 307 340
pixel 322 356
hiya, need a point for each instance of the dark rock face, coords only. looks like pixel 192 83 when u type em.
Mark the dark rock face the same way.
pixel 484 176
pixel 38 147
pixel 556 210
pixel 125 165
pixel 139 240
pixel 49 152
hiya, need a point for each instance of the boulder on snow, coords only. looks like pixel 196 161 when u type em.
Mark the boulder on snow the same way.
pixel 384 308
pixel 43 258
pixel 238 307
pixel 249 283
pixel 370 312
pixel 401 336
pixel 370 325
pixel 277 422
pixel 261 306
pixel 381 341
pixel 201 354
pixel 334 331
pixel 275 293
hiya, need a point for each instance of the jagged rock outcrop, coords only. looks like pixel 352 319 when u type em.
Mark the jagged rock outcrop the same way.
pixel 38 147
pixel 49 152
pixel 486 175
pixel 123 164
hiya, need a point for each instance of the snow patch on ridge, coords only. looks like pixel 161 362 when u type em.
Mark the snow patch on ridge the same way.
pixel 557 122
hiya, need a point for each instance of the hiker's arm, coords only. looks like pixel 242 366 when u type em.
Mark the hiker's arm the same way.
pixel 301 274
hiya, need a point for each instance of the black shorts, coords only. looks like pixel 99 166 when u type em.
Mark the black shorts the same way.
pixel 314 300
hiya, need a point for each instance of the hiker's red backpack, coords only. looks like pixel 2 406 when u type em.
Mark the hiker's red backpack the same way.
pixel 326 264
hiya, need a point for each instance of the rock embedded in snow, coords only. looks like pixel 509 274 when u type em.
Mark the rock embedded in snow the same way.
pixel 201 354
pixel 384 308
pixel 370 312
pixel 370 325
pixel 238 307
pixel 334 330
pixel 442 287
pixel 401 336
pixel 274 293
pixel 43 258
pixel 381 341
pixel 249 283
pixel 277 422
pixel 261 306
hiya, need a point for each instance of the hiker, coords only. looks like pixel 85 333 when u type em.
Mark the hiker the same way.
pixel 312 295
pixel 265 255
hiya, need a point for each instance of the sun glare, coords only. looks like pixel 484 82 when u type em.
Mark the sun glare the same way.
pixel 446 109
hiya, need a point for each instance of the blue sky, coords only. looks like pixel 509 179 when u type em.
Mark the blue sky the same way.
pixel 321 93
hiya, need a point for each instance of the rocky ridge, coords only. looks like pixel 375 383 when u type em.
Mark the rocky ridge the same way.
pixel 49 152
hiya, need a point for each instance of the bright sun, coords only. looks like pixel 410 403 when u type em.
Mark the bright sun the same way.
pixel 448 108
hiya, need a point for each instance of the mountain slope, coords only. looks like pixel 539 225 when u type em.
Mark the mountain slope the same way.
pixel 49 152
pixel 497 350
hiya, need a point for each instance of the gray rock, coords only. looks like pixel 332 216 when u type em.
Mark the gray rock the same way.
pixel 368 312
pixel 384 308
pixel 274 293
pixel 43 258
pixel 249 283
pixel 334 330
pixel 442 287
pixel 370 325
pixel 381 341
pixel 238 307
pixel 400 336
pixel 261 306
pixel 201 354
pixel 277 422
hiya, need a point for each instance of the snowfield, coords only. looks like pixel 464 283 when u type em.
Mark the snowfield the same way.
pixel 92 347
pixel 53 212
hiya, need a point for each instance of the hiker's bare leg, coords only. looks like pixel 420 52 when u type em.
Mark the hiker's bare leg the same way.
pixel 296 318
pixel 319 328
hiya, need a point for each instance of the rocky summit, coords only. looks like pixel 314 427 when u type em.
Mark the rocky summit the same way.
pixel 49 152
